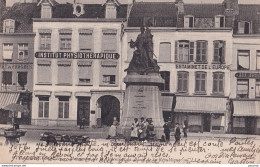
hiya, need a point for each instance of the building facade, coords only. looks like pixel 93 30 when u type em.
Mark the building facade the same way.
pixel 245 71
pixel 77 64
pixel 193 48
pixel 16 58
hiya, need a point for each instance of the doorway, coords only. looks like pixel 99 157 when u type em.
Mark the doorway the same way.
pixel 250 125
pixel 83 110
pixel 110 108
pixel 206 122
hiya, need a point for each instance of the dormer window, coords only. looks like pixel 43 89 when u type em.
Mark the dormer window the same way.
pixel 244 27
pixel 9 26
pixel 110 10
pixel 219 21
pixel 46 11
pixel 188 21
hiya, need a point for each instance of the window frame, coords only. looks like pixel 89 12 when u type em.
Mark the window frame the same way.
pixel 164 58
pixel 46 11
pixel 200 80
pixel 18 84
pixel 9 26
pixel 243 30
pixel 89 32
pixel 257 88
pixel 218 24
pixel 242 80
pixel 182 73
pixel 191 51
pixel 46 41
pixel 8 47
pixel 199 51
pixel 108 82
pixel 64 101
pixel 4 75
pixel 44 101
pixel 239 53
pixel 216 52
pixel 23 47
pixel 258 60
pixel 166 76
pixel 189 17
pixel 105 33
pixel 218 80
pixel 65 38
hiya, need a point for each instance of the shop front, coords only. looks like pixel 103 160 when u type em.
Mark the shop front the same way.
pixel 204 114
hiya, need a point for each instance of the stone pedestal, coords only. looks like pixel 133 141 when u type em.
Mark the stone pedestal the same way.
pixel 142 99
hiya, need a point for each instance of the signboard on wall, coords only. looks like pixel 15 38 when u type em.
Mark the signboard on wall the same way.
pixel 76 55
pixel 203 66
pixel 18 66
pixel 247 75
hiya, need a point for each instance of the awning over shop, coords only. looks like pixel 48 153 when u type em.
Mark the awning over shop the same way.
pixel 200 104
pixel 167 103
pixel 8 98
pixel 246 108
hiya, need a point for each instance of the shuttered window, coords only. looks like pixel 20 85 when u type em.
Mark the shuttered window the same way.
pixel 183 78
pixel 8 51
pixel 9 26
pixel 109 41
pixel 165 52
pixel 64 73
pixel 200 82
pixel 188 21
pixel 258 60
pixel 218 82
pixel 44 72
pixel 243 60
pixel 219 51
pixel 219 21
pixel 45 40
pixel 65 39
pixel 85 72
pixel 184 51
pixel 201 51
pixel 166 76
pixel 242 88
pixel 85 40
pixel 257 88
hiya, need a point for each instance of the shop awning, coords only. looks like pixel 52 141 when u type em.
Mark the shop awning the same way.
pixel 7 98
pixel 200 104
pixel 167 103
pixel 246 108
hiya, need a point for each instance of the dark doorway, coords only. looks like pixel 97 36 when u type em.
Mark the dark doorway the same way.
pixel 206 122
pixel 83 110
pixel 250 125
pixel 110 108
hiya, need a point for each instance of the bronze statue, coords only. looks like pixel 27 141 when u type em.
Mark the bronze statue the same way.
pixel 142 61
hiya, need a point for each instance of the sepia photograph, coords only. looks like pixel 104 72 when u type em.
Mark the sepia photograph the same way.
pixel 130 82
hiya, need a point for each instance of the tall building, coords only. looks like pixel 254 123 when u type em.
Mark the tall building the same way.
pixel 193 47
pixel 245 71
pixel 78 62
pixel 16 59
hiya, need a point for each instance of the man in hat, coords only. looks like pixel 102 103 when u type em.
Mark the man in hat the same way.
pixel 167 130
pixel 177 134
pixel 150 129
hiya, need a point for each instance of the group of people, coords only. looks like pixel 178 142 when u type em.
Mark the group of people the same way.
pixel 143 130
pixel 177 131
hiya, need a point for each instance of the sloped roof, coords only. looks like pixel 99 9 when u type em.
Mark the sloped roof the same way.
pixel 22 13
pixel 250 13
pixel 204 10
pixel 141 10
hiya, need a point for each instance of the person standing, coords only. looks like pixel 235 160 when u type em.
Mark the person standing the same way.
pixel 134 132
pixel 167 131
pixel 177 134
pixel 185 127
pixel 142 129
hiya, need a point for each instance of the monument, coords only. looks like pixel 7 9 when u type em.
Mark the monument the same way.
pixel 142 95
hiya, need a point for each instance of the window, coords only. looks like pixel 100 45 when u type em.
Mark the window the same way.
pixel 165 52
pixel 9 26
pixel 43 107
pixel 243 60
pixel 242 88
pixel 23 52
pixel 184 51
pixel 63 107
pixel 109 79
pixel 45 40
pixel 85 72
pixel 188 21
pixel 85 40
pixel 257 88
pixel 65 39
pixel 7 52
pixel 109 41
pixel 200 82
pixel 7 78
pixel 218 82
pixel 219 52
pixel 166 76
pixel 22 79
pixel 219 21
pixel 258 60
pixel 183 78
pixel 201 54
pixel 44 72
pixel 244 27
pixel 110 11
pixel 64 72
pixel 46 11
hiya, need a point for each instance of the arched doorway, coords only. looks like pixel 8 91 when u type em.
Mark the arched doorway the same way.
pixel 110 108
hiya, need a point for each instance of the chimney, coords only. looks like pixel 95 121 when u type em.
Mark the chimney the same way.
pixel 2 7
pixel 111 6
pixel 231 7
pixel 180 6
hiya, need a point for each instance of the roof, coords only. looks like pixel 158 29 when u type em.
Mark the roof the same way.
pixel 91 11
pixel 204 10
pixel 160 10
pixel 22 13
pixel 250 13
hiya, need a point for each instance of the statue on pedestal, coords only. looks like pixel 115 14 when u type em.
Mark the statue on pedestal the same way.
pixel 142 61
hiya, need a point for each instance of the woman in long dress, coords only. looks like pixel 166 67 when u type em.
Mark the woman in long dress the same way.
pixel 134 132
pixel 113 129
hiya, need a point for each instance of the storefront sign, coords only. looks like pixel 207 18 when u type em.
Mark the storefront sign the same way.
pixel 77 55
pixel 247 75
pixel 16 66
pixel 202 66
